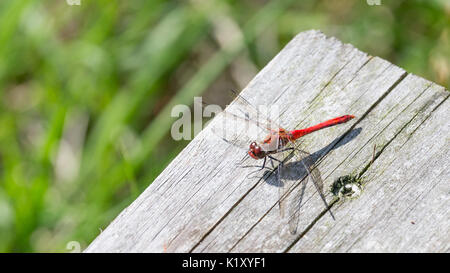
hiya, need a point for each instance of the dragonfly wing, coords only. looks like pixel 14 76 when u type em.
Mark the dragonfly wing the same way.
pixel 250 111
pixel 308 163
pixel 241 123
pixel 294 208
pixel 262 124
pixel 236 130
pixel 282 190
pixel 313 174
pixel 298 166
pixel 291 193
pixel 288 173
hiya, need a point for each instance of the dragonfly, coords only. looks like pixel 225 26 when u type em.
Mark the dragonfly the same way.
pixel 242 117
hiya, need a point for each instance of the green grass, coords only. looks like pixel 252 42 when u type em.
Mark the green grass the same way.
pixel 87 91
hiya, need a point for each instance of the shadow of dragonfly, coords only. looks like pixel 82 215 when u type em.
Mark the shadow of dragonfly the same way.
pixel 293 173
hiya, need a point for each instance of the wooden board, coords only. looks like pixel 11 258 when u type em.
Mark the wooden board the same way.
pixel 203 203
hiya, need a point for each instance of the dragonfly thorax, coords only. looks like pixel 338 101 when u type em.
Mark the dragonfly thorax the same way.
pixel 276 140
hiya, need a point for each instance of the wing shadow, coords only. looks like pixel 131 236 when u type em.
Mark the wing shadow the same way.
pixel 296 171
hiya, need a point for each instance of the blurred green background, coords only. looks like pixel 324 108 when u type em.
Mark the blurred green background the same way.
pixel 86 91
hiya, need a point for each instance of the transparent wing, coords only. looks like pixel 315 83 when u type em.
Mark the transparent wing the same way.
pixel 307 165
pixel 249 110
pixel 313 174
pixel 237 130
pixel 315 177
pixel 297 167
pixel 286 175
pixel 290 191
pixel 241 123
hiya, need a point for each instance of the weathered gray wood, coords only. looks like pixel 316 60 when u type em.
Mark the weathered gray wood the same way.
pixel 202 203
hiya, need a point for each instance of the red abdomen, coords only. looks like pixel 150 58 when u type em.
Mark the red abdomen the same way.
pixel 335 121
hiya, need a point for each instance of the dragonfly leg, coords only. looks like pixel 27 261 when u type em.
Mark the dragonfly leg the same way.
pixel 254 166
pixel 264 163
pixel 250 175
pixel 271 163
pixel 286 149
pixel 259 167
pixel 280 165
pixel 276 159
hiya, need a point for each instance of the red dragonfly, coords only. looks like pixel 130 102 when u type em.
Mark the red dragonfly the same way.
pixel 277 140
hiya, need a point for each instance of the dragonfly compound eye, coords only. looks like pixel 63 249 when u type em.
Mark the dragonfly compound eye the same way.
pixel 257 149
pixel 252 145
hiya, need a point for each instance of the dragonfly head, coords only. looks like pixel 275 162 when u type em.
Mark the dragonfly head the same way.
pixel 255 151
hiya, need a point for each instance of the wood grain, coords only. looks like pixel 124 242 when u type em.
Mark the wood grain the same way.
pixel 202 203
